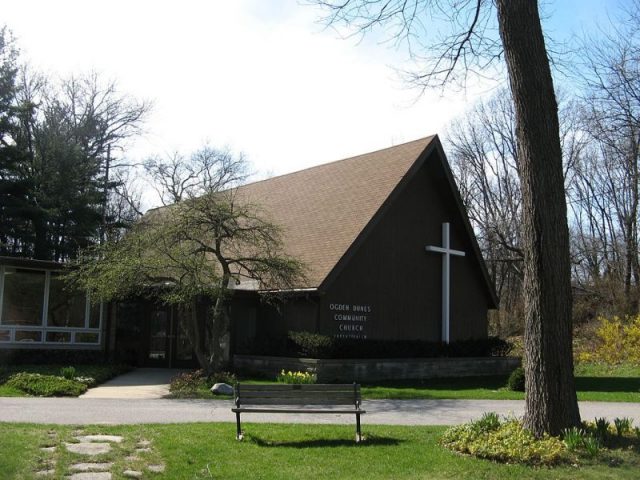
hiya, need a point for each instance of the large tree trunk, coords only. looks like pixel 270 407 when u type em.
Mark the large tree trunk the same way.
pixel 551 403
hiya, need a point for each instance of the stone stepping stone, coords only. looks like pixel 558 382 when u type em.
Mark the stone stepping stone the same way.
pixel 90 476
pixel 132 458
pixel 143 450
pixel 144 443
pixel 88 448
pixel 159 468
pixel 45 473
pixel 91 467
pixel 48 449
pixel 132 474
pixel 100 438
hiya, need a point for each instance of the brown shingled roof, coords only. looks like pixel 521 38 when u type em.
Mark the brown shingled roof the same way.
pixel 323 209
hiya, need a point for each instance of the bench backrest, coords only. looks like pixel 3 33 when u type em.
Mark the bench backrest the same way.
pixel 284 394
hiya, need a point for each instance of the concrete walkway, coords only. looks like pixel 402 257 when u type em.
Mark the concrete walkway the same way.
pixel 74 411
pixel 141 383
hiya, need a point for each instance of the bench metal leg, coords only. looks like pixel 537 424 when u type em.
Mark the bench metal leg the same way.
pixel 239 435
pixel 358 432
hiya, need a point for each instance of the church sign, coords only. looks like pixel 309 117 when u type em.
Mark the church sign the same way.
pixel 350 319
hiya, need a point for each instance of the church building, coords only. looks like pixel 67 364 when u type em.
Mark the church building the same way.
pixel 388 247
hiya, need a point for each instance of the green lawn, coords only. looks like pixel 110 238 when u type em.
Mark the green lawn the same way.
pixel 210 451
pixel 594 382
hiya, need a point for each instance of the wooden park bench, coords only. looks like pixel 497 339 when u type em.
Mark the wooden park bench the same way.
pixel 283 398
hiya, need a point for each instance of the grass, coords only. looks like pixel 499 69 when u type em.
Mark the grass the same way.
pixel 594 383
pixel 210 451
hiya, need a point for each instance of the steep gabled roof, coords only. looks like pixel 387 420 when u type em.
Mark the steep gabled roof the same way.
pixel 323 209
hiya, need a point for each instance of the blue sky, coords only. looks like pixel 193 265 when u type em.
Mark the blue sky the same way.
pixel 262 77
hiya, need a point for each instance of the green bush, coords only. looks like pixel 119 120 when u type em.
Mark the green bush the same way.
pixel 573 438
pixel 46 385
pixel 68 372
pixel 509 442
pixel 515 382
pixel 188 381
pixel 313 345
pixel 222 377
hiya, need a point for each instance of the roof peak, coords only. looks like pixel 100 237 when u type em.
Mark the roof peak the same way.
pixel 426 141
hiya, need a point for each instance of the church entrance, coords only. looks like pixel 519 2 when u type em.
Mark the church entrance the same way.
pixel 166 343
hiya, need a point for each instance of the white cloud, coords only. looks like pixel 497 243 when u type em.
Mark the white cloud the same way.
pixel 268 81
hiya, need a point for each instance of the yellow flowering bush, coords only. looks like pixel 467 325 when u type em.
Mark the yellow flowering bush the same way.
pixel 618 341
pixel 507 442
pixel 296 377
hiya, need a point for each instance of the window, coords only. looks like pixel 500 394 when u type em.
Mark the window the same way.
pixel 66 309
pixel 23 297
pixel 35 307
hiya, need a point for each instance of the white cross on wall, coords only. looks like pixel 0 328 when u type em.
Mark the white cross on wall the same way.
pixel 446 277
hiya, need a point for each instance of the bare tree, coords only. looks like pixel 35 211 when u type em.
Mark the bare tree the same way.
pixel 610 179
pixel 551 403
pixel 208 169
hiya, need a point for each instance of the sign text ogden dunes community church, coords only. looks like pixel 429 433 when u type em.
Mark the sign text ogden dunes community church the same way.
pixel 351 318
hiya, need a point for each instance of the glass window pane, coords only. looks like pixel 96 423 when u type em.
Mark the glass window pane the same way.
pixel 94 317
pixel 27 336
pixel 5 335
pixel 59 337
pixel 23 297
pixel 66 308
pixel 87 337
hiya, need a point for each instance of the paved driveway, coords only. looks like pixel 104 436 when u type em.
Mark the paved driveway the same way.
pixel 393 412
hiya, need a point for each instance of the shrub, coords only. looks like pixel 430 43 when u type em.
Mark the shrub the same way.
pixel 591 446
pixel 313 345
pixel 222 377
pixel 489 422
pixel 187 381
pixel 623 425
pixel 602 428
pixel 509 442
pixel 46 385
pixel 296 377
pixel 573 438
pixel 516 380
pixel 68 372
pixel 637 431
pixel 618 341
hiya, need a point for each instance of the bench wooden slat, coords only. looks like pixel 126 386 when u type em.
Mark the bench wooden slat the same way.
pixel 294 410
pixel 250 387
pixel 296 401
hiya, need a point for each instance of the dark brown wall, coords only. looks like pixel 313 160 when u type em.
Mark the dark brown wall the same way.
pixel 397 283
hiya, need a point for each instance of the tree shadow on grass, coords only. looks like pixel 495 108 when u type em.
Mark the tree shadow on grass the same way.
pixel 368 441
pixel 608 384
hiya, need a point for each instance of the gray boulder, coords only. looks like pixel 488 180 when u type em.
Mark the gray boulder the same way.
pixel 222 389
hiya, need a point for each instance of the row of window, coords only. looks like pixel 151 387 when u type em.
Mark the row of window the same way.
pixel 36 307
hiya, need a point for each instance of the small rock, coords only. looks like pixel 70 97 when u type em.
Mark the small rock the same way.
pixel 132 474
pixel 88 448
pixel 132 458
pixel 48 449
pixel 144 443
pixel 143 450
pixel 156 468
pixel 90 476
pixel 222 389
pixel 91 467
pixel 45 473
pixel 100 438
